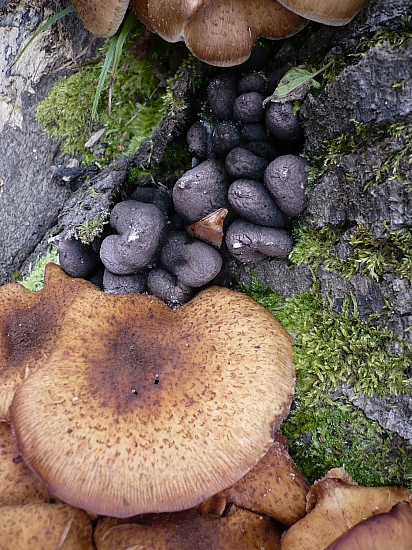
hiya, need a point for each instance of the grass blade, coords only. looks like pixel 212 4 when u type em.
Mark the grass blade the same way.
pixel 43 27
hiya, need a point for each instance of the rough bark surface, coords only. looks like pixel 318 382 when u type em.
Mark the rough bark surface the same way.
pixel 29 199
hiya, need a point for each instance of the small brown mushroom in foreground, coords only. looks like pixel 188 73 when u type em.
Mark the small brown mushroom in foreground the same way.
pixel 43 526
pixel 335 504
pixel 140 409
pixel 392 530
pixel 18 484
pixel 274 487
pixel 189 530
pixel 30 325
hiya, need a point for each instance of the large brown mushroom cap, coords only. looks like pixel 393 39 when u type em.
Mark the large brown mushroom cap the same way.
pixel 219 32
pixel 30 324
pixel 141 409
pixel 325 11
pixel 102 18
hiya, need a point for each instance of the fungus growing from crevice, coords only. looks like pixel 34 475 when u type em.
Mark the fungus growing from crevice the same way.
pixel 220 33
pixel 152 408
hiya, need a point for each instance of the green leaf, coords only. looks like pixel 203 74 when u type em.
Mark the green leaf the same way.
pixel 295 84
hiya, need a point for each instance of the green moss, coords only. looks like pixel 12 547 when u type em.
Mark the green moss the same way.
pixel 35 279
pixel 330 350
pixel 313 247
pixel 90 230
pixel 397 38
pixel 333 150
pixel 137 107
pixel 373 257
pixel 334 435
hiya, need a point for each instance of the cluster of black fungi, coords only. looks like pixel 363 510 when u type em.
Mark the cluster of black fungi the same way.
pixel 247 181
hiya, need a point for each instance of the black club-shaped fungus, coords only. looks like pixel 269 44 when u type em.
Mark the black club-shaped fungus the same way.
pixel 225 137
pixel 251 83
pixel 241 163
pixel 167 287
pixel 251 243
pixel 255 131
pixel 250 200
pixel 286 180
pixel 262 149
pixel 140 228
pixel 159 196
pixel 77 259
pixel 249 108
pixel 194 262
pixel 199 140
pixel 283 124
pixel 201 190
pixel 124 284
pixel 221 94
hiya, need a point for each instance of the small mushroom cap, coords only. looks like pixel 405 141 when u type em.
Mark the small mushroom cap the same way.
pixel 18 484
pixel 334 506
pixel 380 532
pixel 223 33
pixel 274 487
pixel 210 228
pixel 141 409
pixel 189 530
pixel 46 527
pixel 325 11
pixel 102 18
pixel 30 324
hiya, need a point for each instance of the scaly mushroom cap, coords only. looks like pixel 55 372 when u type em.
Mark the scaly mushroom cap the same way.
pixel 141 409
pixel 45 526
pixel 219 32
pixel 101 18
pixel 189 530
pixel 335 504
pixel 29 327
pixel 325 11
pixel 274 487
